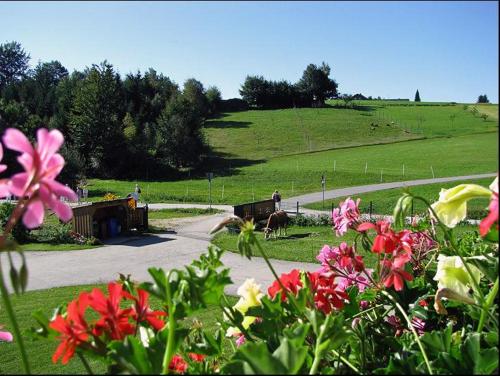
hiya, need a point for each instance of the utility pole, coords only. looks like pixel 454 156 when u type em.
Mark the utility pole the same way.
pixel 210 176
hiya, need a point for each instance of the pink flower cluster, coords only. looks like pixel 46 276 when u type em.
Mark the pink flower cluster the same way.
pixel 345 216
pixel 348 267
pixel 37 185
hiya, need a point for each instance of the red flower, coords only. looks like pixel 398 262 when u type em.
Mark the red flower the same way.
pixel 394 271
pixel 178 364
pixel 73 329
pixel 197 357
pixel 423 303
pixel 387 240
pixel 290 281
pixel 486 223
pixel 326 296
pixel 114 321
pixel 142 311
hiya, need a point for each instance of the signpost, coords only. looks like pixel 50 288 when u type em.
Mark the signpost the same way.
pixel 210 176
pixel 323 181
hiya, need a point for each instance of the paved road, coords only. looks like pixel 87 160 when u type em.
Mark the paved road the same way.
pixel 170 250
pixel 349 191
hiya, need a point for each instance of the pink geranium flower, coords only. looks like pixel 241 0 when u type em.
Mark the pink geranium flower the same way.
pixel 394 271
pixel 4 190
pixel 41 164
pixel 5 336
pixel 488 221
pixel 345 216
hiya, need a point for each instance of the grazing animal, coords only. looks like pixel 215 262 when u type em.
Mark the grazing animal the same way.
pixel 276 221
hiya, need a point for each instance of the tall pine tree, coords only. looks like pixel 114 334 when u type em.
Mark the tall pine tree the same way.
pixel 417 96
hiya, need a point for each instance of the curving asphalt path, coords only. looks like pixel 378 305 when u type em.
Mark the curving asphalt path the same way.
pixel 171 250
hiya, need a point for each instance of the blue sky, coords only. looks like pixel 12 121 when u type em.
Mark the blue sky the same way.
pixel 447 50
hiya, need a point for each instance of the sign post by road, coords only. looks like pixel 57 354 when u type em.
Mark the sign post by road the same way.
pixel 210 176
pixel 323 181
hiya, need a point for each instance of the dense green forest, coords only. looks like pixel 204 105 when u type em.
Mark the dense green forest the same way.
pixel 142 125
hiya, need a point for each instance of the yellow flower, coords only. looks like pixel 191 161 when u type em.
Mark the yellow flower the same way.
pixel 451 208
pixel 251 296
pixel 451 274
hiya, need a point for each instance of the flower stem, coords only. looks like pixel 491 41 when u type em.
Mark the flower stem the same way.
pixel 13 219
pixel 317 347
pixel 489 301
pixel 85 363
pixel 13 321
pixel 410 326
pixel 345 361
pixel 171 330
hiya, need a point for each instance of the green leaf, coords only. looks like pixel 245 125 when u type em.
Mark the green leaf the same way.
pixel 291 356
pixel 14 279
pixel 368 294
pixel 487 362
pixel 257 360
pixel 131 355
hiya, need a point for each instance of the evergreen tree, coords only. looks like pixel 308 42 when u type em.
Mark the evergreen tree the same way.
pixel 483 99
pixel 13 63
pixel 180 141
pixel 417 96
pixel 96 120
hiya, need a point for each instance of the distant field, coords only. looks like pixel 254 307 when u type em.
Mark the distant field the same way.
pixel 295 175
pixel 383 202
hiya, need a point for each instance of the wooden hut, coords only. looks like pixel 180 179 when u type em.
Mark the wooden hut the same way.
pixel 259 210
pixel 106 219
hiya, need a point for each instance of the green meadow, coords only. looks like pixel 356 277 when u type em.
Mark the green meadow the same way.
pixel 383 201
pixel 256 152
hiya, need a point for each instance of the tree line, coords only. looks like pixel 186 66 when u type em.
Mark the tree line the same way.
pixel 312 89
pixel 141 126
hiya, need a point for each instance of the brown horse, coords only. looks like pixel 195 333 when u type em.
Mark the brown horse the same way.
pixel 276 221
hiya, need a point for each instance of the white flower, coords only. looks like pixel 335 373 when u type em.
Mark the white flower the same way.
pixel 451 274
pixel 451 208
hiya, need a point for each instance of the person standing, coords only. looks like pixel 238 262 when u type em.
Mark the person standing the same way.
pixel 277 200
pixel 137 192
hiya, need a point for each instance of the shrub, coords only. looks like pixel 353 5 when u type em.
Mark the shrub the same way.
pixel 311 220
pixel 19 232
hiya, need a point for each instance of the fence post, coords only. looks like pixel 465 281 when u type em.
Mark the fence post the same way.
pixel 297 208
pixel 370 210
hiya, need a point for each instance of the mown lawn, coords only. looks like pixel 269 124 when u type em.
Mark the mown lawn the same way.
pixel 179 213
pixel 55 247
pixel 303 243
pixel 40 352
pixel 383 202
pixel 295 175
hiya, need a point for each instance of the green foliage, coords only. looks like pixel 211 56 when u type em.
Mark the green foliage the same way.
pixel 483 99
pixel 13 62
pixel 95 120
pixel 20 233
pixel 417 96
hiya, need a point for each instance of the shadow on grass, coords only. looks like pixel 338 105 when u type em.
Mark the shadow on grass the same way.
pixel 291 237
pixel 227 124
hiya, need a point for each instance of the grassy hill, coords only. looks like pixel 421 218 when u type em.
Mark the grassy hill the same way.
pixel 271 133
pixel 256 152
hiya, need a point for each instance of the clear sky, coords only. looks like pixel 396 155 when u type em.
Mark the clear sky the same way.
pixel 447 50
